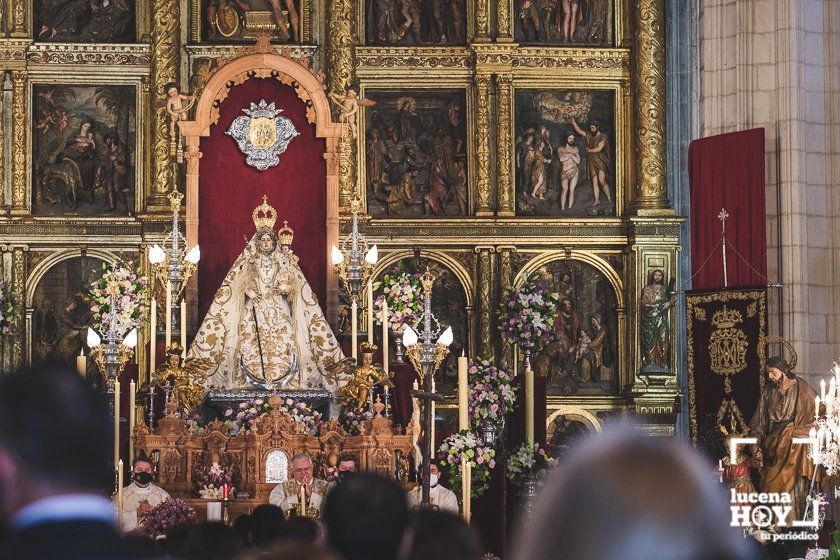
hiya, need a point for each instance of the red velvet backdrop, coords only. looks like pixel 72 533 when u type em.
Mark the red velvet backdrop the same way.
pixel 230 190
pixel 727 171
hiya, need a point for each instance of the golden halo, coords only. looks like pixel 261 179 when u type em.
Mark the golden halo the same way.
pixel 772 339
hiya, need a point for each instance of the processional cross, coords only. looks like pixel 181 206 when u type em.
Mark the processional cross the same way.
pixel 722 217
pixel 426 396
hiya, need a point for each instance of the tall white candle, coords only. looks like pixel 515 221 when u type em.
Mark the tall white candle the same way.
pixel 515 360
pixel 370 311
pixel 168 314
pixel 354 319
pixel 463 391
pixel 116 421
pixel 183 324
pixel 132 417
pixel 385 361
pixel 81 363
pixel 153 339
pixel 465 488
pixel 468 513
pixel 119 493
pixel 529 406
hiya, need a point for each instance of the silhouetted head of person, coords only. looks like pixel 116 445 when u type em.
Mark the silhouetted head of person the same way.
pixel 655 496
pixel 366 518
pixel 211 541
pixel 267 522
pixel 242 525
pixel 303 529
pixel 442 535
pixel 55 437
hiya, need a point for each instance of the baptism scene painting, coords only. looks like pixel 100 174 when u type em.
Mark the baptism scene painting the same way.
pixel 61 311
pixel 83 147
pixel 416 153
pixel 582 358
pixel 565 153
pixel 564 22
pixel 245 20
pixel 84 21
pixel 415 22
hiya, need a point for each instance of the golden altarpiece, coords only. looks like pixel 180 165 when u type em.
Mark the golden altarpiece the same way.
pixel 458 145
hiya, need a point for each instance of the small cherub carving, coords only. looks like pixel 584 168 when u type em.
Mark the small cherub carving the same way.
pixel 177 111
pixel 349 107
pixel 737 474
pixel 366 376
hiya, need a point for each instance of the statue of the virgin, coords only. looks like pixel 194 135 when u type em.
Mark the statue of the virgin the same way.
pixel 264 327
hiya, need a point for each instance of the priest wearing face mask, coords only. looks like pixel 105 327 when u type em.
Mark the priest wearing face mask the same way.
pixel 141 495
pixel 440 497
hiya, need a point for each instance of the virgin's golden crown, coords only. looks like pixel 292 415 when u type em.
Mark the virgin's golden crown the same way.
pixel 264 215
pixel 285 234
pixel 726 318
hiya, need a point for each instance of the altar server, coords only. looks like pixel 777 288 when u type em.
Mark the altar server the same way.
pixel 141 495
pixel 440 497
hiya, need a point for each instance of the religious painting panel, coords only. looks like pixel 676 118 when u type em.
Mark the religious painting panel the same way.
pixel 583 359
pixel 83 150
pixel 565 153
pixel 570 23
pixel 415 22
pixel 563 433
pixel 224 22
pixel 61 311
pixel 85 21
pixel 415 150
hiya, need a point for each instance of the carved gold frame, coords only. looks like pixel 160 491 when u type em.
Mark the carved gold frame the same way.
pixel 197 25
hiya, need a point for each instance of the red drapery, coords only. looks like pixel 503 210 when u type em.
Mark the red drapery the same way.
pixel 230 190
pixel 727 171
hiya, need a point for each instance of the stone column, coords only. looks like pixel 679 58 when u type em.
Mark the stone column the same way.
pixel 165 60
pixel 505 189
pixel 19 134
pixel 484 281
pixel 651 197
pixel 483 195
pixel 340 71
pixel 19 287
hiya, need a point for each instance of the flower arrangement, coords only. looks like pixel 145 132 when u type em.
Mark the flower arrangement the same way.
pixel 245 417
pixel 527 313
pixel 8 308
pixel 528 460
pixel 404 294
pixel 353 421
pixel 131 290
pixel 482 460
pixel 491 393
pixel 170 513
pixel 213 481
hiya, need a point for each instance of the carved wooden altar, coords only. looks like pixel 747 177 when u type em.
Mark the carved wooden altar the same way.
pixel 182 456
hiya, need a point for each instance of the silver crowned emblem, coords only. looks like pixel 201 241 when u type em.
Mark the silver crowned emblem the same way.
pixel 263 134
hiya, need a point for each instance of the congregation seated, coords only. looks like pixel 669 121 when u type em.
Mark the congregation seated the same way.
pixel 287 495
pixel 440 497
pixel 55 456
pixel 141 495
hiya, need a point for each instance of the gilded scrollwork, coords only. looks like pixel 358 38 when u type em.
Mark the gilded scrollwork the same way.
pixel 135 55
pixel 505 282
pixel 165 49
pixel 19 18
pixel 485 301
pixel 412 58
pixel 650 110
pixel 482 130
pixel 19 283
pixel 505 187
pixel 503 20
pixel 19 132
pixel 547 57
pixel 482 19
pixel 340 55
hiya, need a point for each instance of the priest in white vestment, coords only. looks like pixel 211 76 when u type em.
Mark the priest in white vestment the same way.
pixel 264 326
pixel 286 495
pixel 140 496
pixel 440 497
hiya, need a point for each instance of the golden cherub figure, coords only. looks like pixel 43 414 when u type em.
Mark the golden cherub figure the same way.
pixel 177 111
pixel 188 392
pixel 366 376
pixel 348 107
